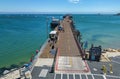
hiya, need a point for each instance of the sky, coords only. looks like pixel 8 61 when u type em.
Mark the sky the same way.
pixel 72 6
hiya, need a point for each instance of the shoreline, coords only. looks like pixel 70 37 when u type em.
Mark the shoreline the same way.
pixel 111 50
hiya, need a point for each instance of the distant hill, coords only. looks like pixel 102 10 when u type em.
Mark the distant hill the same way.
pixel 118 14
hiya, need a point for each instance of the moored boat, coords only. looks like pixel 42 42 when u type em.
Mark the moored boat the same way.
pixel 55 22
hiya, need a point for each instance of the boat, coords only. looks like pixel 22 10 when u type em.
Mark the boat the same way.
pixel 54 23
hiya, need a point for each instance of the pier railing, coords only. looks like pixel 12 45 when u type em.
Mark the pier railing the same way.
pixel 77 42
pixel 79 46
pixel 38 55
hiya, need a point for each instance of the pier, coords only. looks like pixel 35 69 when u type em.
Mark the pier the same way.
pixel 68 62
pixel 68 58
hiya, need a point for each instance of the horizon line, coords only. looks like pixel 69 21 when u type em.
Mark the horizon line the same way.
pixel 59 12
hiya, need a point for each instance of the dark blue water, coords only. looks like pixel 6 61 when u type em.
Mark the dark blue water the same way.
pixel 22 34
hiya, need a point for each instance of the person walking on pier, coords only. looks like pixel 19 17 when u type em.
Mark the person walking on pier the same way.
pixel 51 41
pixel 53 51
pixel 60 28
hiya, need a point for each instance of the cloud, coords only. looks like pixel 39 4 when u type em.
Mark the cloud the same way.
pixel 74 1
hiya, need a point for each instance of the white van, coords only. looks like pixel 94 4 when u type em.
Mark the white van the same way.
pixel 53 36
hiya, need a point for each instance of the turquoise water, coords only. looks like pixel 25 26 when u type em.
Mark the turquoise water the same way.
pixel 101 30
pixel 21 35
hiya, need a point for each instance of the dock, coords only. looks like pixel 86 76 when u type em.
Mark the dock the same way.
pixel 68 58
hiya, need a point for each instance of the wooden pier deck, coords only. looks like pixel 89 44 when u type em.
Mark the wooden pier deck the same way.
pixel 66 43
pixel 69 56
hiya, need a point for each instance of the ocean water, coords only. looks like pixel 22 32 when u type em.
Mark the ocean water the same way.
pixel 101 30
pixel 22 34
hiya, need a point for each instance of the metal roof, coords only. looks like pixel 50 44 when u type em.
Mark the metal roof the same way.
pixel 53 32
